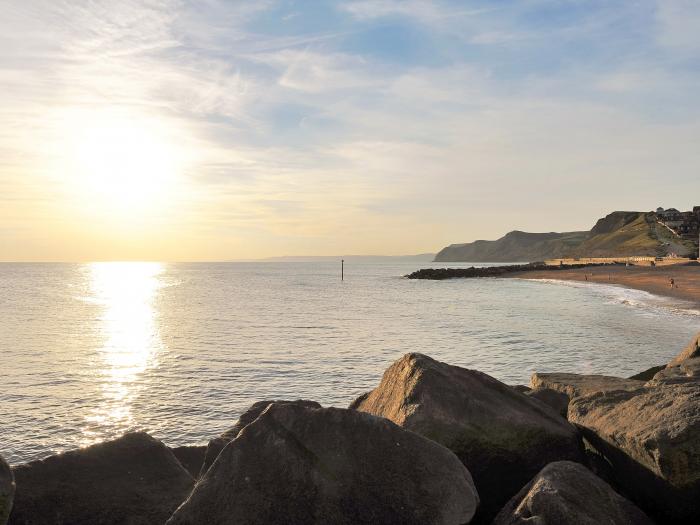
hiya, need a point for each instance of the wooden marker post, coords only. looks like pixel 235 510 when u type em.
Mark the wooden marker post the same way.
pixel 342 269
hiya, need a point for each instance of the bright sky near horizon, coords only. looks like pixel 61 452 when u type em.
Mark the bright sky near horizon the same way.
pixel 211 130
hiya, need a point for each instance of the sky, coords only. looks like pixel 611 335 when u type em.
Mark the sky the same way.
pixel 219 130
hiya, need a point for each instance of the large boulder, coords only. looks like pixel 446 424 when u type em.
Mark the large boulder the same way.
pixel 191 457
pixel 7 490
pixel 689 352
pixel 651 437
pixel 574 385
pixel 217 444
pixel 523 389
pixel 134 480
pixel 685 367
pixel 299 465
pixel 557 401
pixel 647 374
pixel 567 492
pixel 687 370
pixel 502 436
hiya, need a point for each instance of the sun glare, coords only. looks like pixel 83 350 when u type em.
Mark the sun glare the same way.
pixel 125 292
pixel 123 165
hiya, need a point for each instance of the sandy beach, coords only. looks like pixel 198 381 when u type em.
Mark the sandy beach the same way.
pixel 654 280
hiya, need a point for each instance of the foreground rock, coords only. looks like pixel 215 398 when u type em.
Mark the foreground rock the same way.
pixel 689 352
pixel 133 480
pixel 217 444
pixel 647 374
pixel 503 437
pixel 686 371
pixel 557 401
pixel 574 385
pixel 191 457
pixel 651 437
pixel 567 492
pixel 300 465
pixel 7 491
pixel 683 368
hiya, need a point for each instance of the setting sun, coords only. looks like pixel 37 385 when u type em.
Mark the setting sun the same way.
pixel 121 165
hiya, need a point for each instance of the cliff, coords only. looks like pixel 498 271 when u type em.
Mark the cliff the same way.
pixel 514 246
pixel 619 234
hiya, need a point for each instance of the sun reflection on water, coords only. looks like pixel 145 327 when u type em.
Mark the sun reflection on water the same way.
pixel 130 340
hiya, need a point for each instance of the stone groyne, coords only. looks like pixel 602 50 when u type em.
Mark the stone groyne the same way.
pixel 433 443
pixel 493 271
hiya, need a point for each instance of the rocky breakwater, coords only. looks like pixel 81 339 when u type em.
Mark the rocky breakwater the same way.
pixel 438 274
pixel 503 437
pixel 647 432
pixel 432 444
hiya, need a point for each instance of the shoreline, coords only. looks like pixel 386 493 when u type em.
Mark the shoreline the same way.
pixel 648 279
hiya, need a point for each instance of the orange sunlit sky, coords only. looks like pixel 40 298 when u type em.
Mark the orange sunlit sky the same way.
pixel 218 130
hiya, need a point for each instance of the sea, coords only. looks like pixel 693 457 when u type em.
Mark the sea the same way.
pixel 180 350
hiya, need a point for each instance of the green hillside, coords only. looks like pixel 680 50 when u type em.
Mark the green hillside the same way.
pixel 631 234
pixel 619 234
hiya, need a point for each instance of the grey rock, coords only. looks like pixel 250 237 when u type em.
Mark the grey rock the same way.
pixel 689 352
pixel 567 492
pixel 133 480
pixel 651 437
pixel 299 465
pixel 502 436
pixel 557 401
pixel 574 385
pixel 686 371
pixel 523 389
pixel 191 457
pixel 7 490
pixel 647 374
pixel 683 368
pixel 217 444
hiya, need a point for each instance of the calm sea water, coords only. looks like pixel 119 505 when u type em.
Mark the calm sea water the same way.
pixel 90 351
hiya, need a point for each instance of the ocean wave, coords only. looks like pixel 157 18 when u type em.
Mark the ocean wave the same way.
pixel 615 294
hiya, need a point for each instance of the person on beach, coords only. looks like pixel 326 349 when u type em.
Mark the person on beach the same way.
pixel 672 282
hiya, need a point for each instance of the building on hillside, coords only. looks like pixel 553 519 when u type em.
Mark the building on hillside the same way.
pixel 670 215
pixel 684 224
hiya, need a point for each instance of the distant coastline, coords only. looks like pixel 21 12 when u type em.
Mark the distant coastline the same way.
pixel 660 233
pixel 421 257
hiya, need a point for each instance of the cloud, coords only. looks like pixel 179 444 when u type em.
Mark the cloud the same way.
pixel 419 10
pixel 678 22
pixel 304 139
pixel 315 72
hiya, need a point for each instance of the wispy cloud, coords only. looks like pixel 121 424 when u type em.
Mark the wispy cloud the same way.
pixel 342 126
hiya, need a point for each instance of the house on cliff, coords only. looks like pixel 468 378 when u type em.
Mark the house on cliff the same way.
pixel 684 224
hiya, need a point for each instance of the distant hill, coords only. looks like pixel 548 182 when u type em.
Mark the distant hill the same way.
pixel 515 246
pixel 619 234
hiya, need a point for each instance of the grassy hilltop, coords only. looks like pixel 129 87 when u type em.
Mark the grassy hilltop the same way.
pixel 619 234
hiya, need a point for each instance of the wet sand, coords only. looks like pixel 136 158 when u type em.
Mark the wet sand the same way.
pixel 654 280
